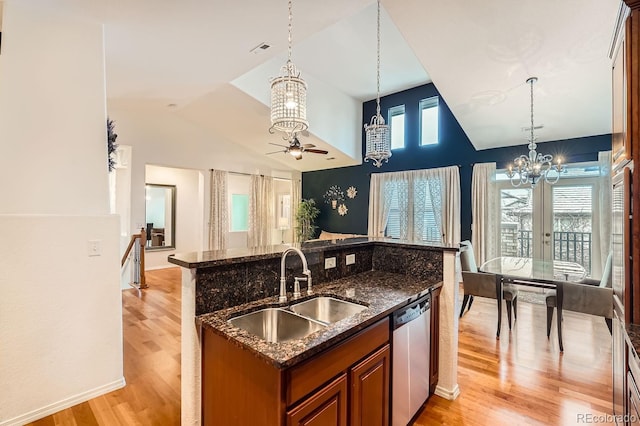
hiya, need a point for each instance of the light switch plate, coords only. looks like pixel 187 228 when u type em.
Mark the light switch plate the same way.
pixel 351 259
pixel 94 247
pixel 330 262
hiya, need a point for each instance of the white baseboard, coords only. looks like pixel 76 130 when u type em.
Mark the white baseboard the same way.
pixel 65 403
pixel 446 393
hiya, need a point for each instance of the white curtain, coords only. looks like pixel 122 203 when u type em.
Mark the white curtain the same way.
pixel 485 229
pixel 384 187
pixel 427 203
pixel 296 198
pixel 261 211
pixel 218 216
pixel 604 161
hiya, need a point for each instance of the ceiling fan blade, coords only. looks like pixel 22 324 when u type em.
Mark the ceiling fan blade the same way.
pixel 277 144
pixel 275 152
pixel 308 145
pixel 317 151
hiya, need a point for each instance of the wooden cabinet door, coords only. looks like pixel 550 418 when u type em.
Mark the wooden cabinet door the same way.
pixel 620 144
pixel 633 401
pixel 370 390
pixel 326 407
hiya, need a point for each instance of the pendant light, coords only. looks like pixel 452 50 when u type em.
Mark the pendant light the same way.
pixel 378 142
pixel 288 97
pixel 533 167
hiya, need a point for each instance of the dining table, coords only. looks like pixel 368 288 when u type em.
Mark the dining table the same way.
pixel 526 271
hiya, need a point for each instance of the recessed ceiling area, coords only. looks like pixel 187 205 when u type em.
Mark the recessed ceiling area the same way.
pixel 197 55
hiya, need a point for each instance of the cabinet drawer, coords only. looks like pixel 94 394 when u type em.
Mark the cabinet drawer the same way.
pixel 304 378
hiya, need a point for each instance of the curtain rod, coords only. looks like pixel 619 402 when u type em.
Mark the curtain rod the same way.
pixel 249 174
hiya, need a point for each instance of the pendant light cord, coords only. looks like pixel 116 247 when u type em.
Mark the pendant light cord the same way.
pixel 290 30
pixel 378 65
pixel 532 81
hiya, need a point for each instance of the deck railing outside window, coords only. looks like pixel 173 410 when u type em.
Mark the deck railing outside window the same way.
pixel 567 246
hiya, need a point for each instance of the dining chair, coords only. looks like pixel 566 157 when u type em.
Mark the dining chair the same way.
pixel 482 284
pixel 584 298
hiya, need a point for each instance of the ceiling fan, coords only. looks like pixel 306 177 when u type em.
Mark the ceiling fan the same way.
pixel 296 149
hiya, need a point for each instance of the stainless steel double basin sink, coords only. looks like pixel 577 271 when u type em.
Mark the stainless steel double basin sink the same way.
pixel 296 321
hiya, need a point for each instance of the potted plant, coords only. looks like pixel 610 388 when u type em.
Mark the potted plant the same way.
pixel 306 216
pixel 111 145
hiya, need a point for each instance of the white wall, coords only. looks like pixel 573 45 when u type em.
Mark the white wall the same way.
pixel 52 114
pixel 60 310
pixel 60 314
pixel 159 136
pixel 189 211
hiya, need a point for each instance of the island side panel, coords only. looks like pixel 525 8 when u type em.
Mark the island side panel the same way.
pixel 448 366
pixel 191 385
pixel 421 263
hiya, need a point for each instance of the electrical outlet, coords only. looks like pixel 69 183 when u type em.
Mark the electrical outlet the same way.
pixel 94 247
pixel 351 259
pixel 330 262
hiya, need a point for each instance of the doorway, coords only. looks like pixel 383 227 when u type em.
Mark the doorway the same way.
pixel 559 222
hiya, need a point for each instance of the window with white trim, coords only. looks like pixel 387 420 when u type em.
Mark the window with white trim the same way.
pixel 429 121
pixel 396 124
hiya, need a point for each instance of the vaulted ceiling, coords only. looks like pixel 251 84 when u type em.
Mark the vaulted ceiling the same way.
pixel 196 56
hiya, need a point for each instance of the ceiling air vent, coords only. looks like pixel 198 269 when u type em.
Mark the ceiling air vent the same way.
pixel 260 48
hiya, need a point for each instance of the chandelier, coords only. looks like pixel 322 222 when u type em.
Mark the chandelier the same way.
pixel 530 168
pixel 289 98
pixel 377 133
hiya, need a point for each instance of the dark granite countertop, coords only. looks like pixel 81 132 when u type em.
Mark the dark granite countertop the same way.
pixel 230 256
pixel 382 292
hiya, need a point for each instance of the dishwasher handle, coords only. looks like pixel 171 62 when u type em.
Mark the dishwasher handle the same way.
pixel 410 312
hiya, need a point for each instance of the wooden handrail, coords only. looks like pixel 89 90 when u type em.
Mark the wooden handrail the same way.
pixel 143 240
pixel 127 252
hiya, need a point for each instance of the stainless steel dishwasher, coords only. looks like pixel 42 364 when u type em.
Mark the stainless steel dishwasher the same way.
pixel 411 344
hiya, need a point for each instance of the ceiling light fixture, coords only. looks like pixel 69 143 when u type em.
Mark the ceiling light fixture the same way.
pixel 289 98
pixel 530 168
pixel 377 133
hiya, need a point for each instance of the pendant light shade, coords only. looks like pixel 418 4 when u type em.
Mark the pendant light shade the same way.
pixel 289 97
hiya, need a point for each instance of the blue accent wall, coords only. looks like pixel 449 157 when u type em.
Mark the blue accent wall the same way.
pixel 454 148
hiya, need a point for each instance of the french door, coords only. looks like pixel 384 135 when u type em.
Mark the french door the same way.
pixel 554 222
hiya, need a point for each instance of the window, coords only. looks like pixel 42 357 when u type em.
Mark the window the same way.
pixel 429 121
pixel 239 212
pixel 396 123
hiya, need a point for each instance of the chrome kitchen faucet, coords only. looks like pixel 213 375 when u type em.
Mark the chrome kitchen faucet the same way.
pixel 283 278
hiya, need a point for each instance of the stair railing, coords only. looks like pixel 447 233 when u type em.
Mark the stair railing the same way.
pixel 136 243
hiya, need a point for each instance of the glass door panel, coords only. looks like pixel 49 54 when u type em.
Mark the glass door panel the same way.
pixel 516 222
pixel 553 222
pixel 572 208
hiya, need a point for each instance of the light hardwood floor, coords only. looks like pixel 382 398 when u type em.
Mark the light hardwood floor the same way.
pixel 520 379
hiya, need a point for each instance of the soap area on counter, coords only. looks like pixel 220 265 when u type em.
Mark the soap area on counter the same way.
pixel 380 275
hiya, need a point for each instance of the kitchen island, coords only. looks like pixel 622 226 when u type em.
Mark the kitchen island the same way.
pixel 215 283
